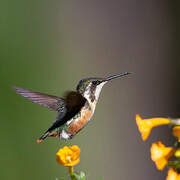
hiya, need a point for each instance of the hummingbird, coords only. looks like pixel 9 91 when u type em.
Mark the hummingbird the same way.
pixel 74 110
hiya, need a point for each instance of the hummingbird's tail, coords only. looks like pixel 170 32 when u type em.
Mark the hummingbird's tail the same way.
pixel 44 136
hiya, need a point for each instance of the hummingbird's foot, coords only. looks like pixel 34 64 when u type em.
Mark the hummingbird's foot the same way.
pixel 71 136
pixel 59 134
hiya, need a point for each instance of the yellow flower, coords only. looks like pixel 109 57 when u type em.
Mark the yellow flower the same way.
pixel 160 154
pixel 145 126
pixel 173 175
pixel 176 132
pixel 68 156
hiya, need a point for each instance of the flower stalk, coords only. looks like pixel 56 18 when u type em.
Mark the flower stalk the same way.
pixel 71 172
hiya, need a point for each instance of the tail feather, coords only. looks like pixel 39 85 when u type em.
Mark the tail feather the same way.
pixel 43 137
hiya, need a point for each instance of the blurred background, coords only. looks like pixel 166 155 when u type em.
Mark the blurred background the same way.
pixel 48 46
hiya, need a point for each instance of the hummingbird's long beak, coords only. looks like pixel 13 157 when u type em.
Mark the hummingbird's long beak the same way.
pixel 117 76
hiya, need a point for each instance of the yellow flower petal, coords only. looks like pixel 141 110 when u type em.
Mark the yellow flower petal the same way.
pixel 176 132
pixel 145 126
pixel 173 175
pixel 160 154
pixel 68 156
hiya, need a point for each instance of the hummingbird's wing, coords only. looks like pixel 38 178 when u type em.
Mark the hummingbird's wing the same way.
pixel 51 102
pixel 74 101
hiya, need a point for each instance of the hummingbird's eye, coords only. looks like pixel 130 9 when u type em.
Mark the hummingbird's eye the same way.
pixel 95 83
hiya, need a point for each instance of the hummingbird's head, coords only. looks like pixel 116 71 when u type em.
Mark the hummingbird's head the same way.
pixel 90 88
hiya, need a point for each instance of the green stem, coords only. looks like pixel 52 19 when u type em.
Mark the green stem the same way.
pixel 175 121
pixel 71 172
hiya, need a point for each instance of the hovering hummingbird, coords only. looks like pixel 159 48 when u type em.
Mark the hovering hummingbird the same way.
pixel 74 110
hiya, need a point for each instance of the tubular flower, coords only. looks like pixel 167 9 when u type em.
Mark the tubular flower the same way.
pixel 68 156
pixel 145 126
pixel 160 154
pixel 176 132
pixel 173 175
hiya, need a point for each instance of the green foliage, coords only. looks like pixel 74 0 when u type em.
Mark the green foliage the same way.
pixel 75 176
pixel 174 164
pixel 80 176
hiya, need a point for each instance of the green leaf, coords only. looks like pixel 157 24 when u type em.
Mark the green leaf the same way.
pixel 60 179
pixel 174 164
pixel 176 144
pixel 76 176
pixel 80 176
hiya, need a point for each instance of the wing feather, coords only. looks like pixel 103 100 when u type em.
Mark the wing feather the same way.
pixel 51 102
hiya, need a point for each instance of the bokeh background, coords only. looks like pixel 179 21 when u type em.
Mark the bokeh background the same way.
pixel 48 46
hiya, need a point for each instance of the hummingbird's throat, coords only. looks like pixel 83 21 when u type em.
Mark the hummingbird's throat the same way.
pixel 98 89
pixel 92 93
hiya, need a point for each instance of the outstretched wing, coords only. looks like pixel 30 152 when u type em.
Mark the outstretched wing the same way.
pixel 51 102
